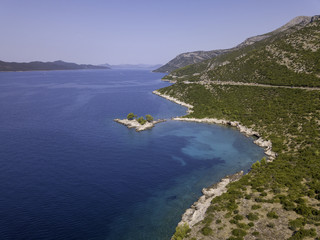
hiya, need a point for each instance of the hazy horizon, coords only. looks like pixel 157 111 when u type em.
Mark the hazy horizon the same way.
pixel 135 32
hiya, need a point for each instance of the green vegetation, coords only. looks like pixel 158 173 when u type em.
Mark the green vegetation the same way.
pixel 149 118
pixel 131 116
pixel 252 216
pixel 272 215
pixel 141 120
pixel 290 59
pixel 181 232
pixel 206 230
pixel 289 117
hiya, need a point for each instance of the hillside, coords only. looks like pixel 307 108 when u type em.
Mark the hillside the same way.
pixel 185 59
pixel 38 66
pixel 278 199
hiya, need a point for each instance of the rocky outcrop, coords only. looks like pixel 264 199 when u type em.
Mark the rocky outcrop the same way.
pixel 197 211
pixel 135 124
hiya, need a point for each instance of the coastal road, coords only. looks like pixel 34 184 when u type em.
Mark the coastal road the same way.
pixel 250 84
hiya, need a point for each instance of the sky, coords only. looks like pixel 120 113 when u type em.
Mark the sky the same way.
pixel 135 31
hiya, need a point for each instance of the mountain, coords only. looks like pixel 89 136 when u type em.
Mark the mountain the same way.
pixel 38 66
pixel 271 88
pixel 135 66
pixel 287 56
pixel 185 59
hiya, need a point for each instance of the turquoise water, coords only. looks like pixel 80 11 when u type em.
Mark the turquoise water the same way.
pixel 68 171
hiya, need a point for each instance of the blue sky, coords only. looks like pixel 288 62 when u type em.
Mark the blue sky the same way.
pixel 135 31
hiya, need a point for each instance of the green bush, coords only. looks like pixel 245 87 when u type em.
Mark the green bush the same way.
pixel 181 232
pixel 272 215
pixel 243 226
pixel 239 232
pixel 206 230
pixel 250 224
pixel 303 233
pixel 255 206
pixel 131 116
pixel 149 118
pixel 297 223
pixel 252 217
pixel 141 120
pixel 238 217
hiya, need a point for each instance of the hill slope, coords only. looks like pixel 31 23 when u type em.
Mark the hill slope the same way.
pixel 37 66
pixel 287 58
pixel 185 59
pixel 279 199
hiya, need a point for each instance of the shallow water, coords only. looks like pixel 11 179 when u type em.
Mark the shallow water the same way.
pixel 69 172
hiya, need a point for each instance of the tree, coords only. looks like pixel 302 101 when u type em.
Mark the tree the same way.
pixel 149 118
pixel 141 120
pixel 131 116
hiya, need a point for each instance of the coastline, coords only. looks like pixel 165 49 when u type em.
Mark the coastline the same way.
pixel 196 212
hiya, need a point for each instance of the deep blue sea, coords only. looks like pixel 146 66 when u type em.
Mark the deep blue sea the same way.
pixel 68 171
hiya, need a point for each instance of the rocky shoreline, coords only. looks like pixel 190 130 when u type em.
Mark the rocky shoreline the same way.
pixel 266 144
pixel 175 100
pixel 197 211
pixel 135 124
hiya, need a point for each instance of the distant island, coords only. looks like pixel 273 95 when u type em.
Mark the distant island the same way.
pixel 140 124
pixel 44 66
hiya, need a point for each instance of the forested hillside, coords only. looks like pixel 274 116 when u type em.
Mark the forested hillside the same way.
pixel 279 199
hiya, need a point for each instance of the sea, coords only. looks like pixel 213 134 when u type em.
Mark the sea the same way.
pixel 68 171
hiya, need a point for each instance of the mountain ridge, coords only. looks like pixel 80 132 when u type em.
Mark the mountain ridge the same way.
pixel 188 58
pixel 45 66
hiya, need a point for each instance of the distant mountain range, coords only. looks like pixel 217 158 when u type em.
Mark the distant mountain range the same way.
pixel 133 66
pixel 188 58
pixel 38 66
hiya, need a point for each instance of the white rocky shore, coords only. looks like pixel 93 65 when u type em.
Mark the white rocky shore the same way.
pixel 135 124
pixel 197 211
pixel 175 100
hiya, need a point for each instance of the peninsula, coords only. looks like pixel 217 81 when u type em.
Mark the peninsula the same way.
pixel 270 89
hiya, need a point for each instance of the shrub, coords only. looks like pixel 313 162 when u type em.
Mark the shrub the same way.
pixel 141 120
pixel 302 233
pixel 255 206
pixel 238 217
pixel 218 221
pixel 149 118
pixel 208 219
pixel 250 224
pixel 181 232
pixel 272 215
pixel 270 225
pixel 252 217
pixel 263 194
pixel 206 231
pixel 131 116
pixel 255 233
pixel 239 232
pixel 297 223
pixel 243 226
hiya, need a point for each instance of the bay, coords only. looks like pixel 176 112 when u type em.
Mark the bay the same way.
pixel 68 171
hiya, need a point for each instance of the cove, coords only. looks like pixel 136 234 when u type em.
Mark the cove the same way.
pixel 68 171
